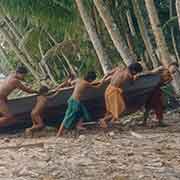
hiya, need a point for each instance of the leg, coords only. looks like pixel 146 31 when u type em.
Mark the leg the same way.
pixel 145 117
pixel 61 130
pixel 158 108
pixel 104 121
pixel 6 117
pixel 37 123
pixel 6 120
pixel 79 125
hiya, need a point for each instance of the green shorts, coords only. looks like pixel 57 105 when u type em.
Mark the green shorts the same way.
pixel 74 112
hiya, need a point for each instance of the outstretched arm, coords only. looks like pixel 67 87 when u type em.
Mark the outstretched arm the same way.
pixel 63 84
pixel 24 88
pixel 97 84
pixel 110 73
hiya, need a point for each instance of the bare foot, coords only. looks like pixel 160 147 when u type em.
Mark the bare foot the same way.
pixel 80 127
pixel 28 132
pixel 103 124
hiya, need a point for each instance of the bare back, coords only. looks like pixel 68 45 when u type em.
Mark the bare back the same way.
pixel 41 102
pixel 120 77
pixel 80 88
pixel 8 85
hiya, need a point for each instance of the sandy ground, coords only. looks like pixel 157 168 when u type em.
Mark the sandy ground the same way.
pixel 128 153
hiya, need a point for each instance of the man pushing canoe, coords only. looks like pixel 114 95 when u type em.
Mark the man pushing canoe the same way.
pixel 114 99
pixel 12 82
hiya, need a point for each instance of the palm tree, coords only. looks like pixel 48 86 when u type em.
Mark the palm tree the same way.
pixel 165 57
pixel 89 25
pixel 19 53
pixel 114 33
pixel 144 32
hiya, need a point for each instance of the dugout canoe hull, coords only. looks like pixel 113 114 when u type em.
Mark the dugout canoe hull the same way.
pixel 136 94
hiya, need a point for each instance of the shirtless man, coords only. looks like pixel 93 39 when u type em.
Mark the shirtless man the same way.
pixel 12 82
pixel 114 100
pixel 76 111
pixel 156 100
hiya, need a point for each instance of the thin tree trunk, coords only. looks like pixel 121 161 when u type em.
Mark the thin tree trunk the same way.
pixel 19 53
pixel 147 59
pixel 172 31
pixel 143 63
pixel 178 11
pixel 50 43
pixel 43 66
pixel 9 21
pixel 130 43
pixel 72 71
pixel 89 25
pixel 112 28
pixel 144 33
pixel 156 27
pixel 69 64
pixel 49 73
pixel 130 23
pixel 65 69
pixel 161 44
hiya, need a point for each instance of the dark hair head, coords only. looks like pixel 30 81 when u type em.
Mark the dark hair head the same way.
pixel 21 70
pixel 90 76
pixel 135 68
pixel 43 89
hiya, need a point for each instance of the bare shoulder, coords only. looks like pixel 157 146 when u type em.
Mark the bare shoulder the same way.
pixel 41 98
pixel 14 81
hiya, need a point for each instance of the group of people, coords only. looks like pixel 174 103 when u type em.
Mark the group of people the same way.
pixel 76 112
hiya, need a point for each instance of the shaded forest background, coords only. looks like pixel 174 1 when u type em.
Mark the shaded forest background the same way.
pixel 56 38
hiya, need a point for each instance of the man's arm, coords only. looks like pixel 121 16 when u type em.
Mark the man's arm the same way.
pixel 97 84
pixel 24 88
pixel 63 84
pixel 110 73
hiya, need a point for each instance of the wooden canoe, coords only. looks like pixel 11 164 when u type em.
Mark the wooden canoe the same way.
pixel 136 94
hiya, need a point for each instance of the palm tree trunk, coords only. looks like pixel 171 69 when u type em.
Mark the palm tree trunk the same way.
pixel 130 23
pixel 161 44
pixel 19 53
pixel 89 25
pixel 49 73
pixel 172 31
pixel 147 59
pixel 117 39
pixel 130 43
pixel 178 11
pixel 156 27
pixel 144 33
pixel 69 64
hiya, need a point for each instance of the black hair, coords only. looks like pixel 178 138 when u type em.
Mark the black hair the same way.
pixel 21 70
pixel 43 89
pixel 90 76
pixel 135 68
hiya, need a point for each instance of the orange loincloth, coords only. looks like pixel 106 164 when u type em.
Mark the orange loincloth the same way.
pixel 114 101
